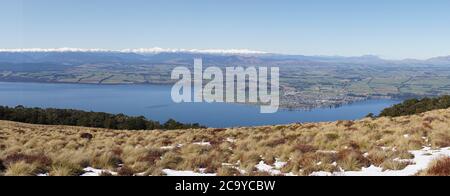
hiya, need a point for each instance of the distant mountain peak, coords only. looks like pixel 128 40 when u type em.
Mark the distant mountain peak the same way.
pixel 155 50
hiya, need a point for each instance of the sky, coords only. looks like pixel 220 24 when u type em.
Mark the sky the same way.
pixel 391 29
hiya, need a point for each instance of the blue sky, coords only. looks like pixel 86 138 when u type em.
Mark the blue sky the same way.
pixel 389 28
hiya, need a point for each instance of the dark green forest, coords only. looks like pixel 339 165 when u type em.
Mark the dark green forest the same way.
pixel 416 106
pixel 70 117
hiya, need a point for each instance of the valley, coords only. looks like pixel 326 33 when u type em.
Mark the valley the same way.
pixel 306 82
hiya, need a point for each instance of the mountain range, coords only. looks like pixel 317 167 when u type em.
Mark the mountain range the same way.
pixel 68 56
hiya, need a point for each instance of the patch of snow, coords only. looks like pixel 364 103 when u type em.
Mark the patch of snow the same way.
pixel 421 161
pixel 96 172
pixel 141 174
pixel 171 147
pixel 202 143
pixel 170 172
pixel 273 170
pixel 279 164
pixel 266 168
pixel 231 140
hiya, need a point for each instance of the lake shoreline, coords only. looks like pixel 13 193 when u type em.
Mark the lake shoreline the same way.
pixel 283 107
pixel 137 100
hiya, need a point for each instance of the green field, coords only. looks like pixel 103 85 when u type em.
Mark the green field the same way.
pixel 303 86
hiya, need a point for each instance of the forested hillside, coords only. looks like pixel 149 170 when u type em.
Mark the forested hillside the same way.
pixel 416 106
pixel 85 119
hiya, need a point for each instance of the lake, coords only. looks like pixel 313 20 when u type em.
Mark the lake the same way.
pixel 154 102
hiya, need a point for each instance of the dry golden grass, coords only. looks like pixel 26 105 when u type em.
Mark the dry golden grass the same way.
pixel 439 167
pixel 21 169
pixel 63 150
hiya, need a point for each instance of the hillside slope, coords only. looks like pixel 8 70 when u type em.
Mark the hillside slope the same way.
pixel 328 148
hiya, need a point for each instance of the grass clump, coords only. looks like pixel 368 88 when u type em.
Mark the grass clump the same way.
pixel 228 171
pixel 394 165
pixel 439 167
pixel 22 168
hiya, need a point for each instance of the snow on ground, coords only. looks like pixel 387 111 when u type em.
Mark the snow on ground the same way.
pixel 273 170
pixel 422 160
pixel 171 147
pixel 167 148
pixel 96 172
pixel 231 140
pixel 170 172
pixel 202 143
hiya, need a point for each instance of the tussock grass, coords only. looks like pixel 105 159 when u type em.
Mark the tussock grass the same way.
pixel 21 169
pixel 228 171
pixel 306 148
pixel 439 167
pixel 65 170
pixel 394 165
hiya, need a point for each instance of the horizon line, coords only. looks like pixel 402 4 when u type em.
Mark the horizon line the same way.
pixel 157 50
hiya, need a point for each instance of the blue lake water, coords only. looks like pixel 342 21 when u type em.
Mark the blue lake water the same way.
pixel 154 102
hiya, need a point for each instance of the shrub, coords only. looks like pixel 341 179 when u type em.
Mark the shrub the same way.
pixel 370 115
pixel 106 174
pixel 41 160
pixel 125 171
pixel 440 167
pixel 87 136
